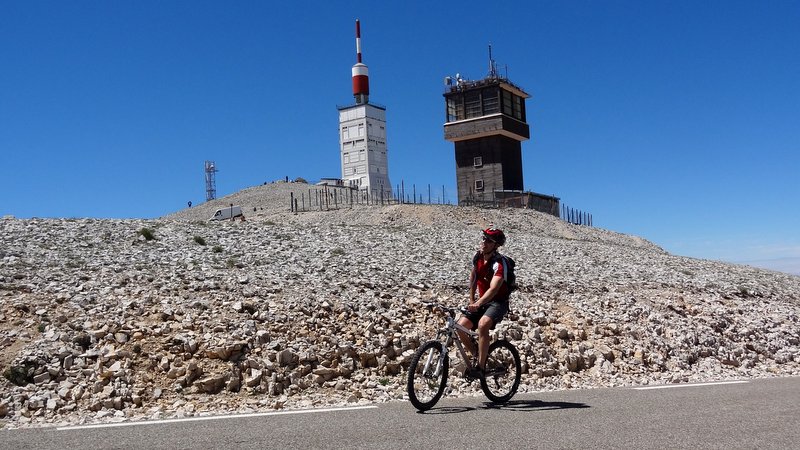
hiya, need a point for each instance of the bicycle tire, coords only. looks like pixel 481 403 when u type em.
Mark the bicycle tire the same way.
pixel 424 380
pixel 503 372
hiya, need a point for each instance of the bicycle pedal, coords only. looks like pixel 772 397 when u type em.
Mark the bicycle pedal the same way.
pixel 474 373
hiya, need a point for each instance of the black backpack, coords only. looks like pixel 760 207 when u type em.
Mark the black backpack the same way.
pixel 508 269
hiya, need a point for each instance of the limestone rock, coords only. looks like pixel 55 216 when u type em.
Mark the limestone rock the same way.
pixel 211 384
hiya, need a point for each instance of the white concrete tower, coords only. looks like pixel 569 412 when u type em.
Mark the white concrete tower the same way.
pixel 362 136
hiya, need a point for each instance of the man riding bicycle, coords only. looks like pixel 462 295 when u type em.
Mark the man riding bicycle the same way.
pixel 488 278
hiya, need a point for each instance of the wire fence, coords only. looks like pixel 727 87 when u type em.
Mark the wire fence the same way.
pixel 334 197
pixel 575 216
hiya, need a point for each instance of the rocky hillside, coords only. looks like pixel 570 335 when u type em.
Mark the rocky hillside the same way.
pixel 178 316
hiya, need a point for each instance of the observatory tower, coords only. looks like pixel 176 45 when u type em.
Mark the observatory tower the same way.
pixel 486 122
pixel 362 136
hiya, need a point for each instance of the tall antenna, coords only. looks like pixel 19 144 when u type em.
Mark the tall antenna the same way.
pixel 211 186
pixel 360 72
pixel 492 65
pixel 358 40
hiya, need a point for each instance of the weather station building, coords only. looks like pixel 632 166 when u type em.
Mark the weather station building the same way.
pixel 362 136
pixel 486 120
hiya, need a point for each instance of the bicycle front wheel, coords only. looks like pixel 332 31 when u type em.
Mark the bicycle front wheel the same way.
pixel 500 380
pixel 427 375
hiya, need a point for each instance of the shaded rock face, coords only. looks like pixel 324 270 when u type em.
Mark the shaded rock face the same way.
pixel 100 322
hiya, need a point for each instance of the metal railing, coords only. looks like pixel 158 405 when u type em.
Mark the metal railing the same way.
pixel 334 197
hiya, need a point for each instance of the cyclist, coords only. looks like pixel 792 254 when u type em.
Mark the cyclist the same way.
pixel 488 278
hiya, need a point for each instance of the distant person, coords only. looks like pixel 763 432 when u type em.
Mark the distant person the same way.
pixel 190 203
pixel 488 278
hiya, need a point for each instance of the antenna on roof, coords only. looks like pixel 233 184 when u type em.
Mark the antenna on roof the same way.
pixel 492 71
pixel 492 65
pixel 360 72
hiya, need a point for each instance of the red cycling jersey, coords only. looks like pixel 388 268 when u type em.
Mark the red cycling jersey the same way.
pixel 485 271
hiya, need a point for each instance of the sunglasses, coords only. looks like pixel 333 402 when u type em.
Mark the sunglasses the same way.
pixel 486 239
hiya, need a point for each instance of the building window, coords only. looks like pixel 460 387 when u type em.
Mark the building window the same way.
pixel 477 161
pixel 507 103
pixel 518 107
pixel 491 101
pixel 455 108
pixel 478 185
pixel 512 105
pixel 472 104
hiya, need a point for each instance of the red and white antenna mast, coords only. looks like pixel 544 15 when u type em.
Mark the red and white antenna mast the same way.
pixel 360 72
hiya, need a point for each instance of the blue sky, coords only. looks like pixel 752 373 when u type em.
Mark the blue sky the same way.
pixel 676 121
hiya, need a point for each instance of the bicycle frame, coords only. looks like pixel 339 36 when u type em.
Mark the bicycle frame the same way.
pixel 449 332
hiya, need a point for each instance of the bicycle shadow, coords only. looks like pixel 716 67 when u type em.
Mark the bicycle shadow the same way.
pixel 513 405
pixel 447 410
pixel 533 405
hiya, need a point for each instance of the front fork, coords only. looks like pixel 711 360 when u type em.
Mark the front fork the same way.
pixel 446 339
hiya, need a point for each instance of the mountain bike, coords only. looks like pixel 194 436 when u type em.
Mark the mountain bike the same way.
pixel 428 372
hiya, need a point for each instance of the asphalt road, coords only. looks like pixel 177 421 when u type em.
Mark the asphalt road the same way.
pixel 753 414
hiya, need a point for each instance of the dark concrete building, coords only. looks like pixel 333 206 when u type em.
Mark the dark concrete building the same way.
pixel 487 123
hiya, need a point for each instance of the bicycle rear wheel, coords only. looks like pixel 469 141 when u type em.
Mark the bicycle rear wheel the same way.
pixel 427 375
pixel 503 371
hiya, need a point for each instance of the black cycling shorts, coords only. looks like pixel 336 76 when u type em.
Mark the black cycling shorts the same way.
pixel 495 310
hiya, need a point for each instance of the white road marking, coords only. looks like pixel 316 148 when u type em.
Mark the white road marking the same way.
pixel 197 419
pixel 669 386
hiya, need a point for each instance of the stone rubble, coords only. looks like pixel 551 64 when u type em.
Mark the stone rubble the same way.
pixel 99 323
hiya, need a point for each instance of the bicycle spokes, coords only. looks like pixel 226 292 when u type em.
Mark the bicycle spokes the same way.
pixel 503 371
pixel 427 375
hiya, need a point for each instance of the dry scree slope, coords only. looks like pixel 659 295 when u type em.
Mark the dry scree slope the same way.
pixel 104 320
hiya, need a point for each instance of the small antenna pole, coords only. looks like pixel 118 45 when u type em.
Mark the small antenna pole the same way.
pixel 492 68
